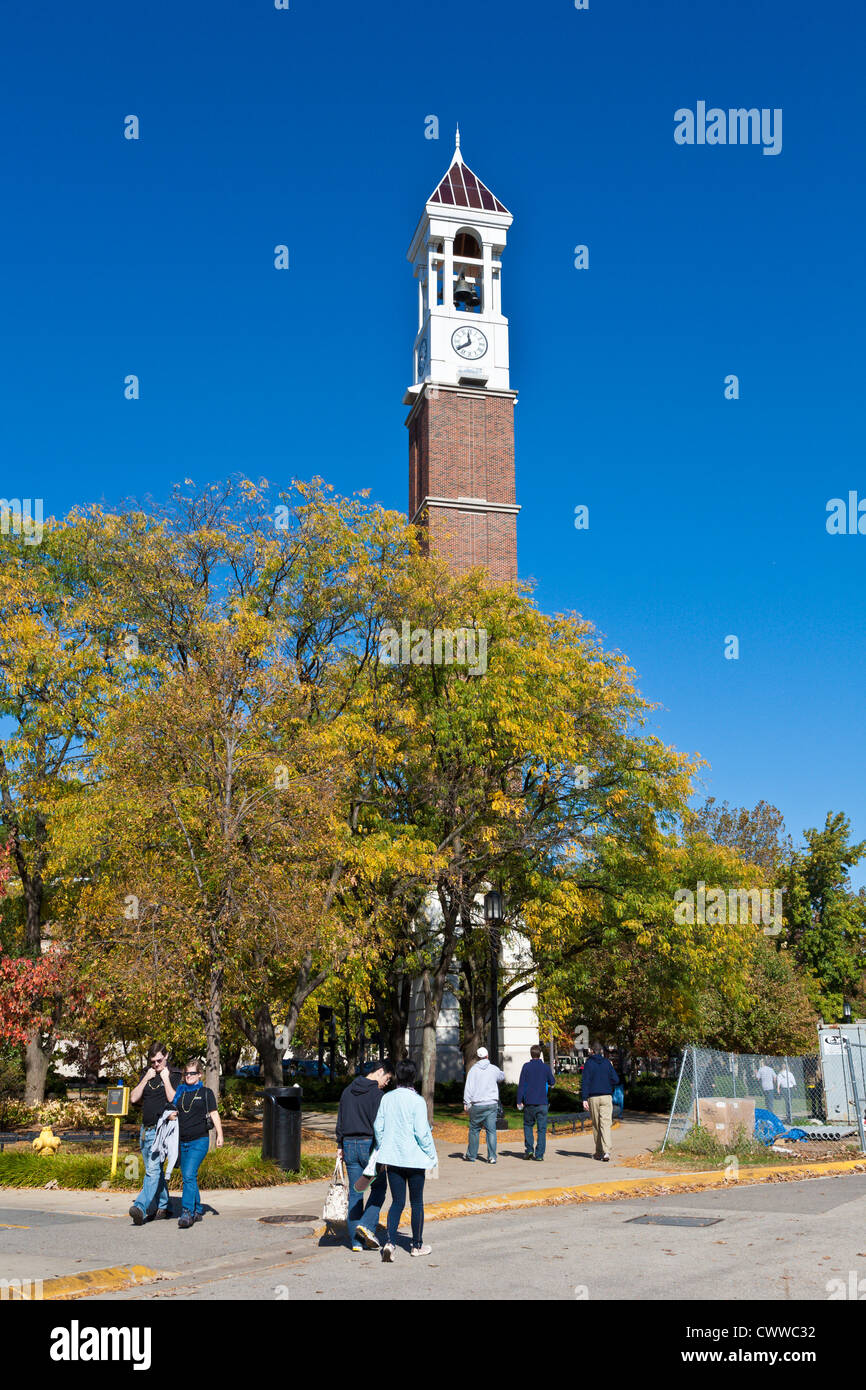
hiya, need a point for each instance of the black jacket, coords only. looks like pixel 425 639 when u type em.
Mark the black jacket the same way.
pixel 359 1105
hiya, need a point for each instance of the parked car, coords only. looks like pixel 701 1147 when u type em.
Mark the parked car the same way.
pixel 292 1066
pixel 305 1066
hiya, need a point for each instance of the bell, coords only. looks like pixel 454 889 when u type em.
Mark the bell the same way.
pixel 466 296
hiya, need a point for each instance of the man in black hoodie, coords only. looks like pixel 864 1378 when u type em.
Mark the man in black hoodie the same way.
pixel 359 1105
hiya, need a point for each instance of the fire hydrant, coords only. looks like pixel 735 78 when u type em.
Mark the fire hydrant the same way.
pixel 47 1142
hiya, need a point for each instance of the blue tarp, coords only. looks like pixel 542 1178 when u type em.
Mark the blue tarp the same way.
pixel 769 1128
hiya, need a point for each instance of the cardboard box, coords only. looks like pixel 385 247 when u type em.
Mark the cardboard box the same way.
pixel 724 1118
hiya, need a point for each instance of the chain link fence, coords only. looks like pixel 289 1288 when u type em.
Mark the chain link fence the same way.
pixel 820 1096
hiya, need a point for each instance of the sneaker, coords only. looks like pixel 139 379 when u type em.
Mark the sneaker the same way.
pixel 137 1215
pixel 163 1214
pixel 199 1216
pixel 529 1155
pixel 421 1249
pixel 357 1249
pixel 605 1158
pixel 387 1253
pixel 537 1158
pixel 367 1237
pixel 491 1160
pixel 467 1159
pixel 186 1220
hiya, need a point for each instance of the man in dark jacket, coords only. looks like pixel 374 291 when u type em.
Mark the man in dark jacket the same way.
pixel 359 1105
pixel 598 1083
pixel 536 1079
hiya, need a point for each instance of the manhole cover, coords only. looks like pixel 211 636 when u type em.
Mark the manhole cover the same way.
pixel 674 1220
pixel 285 1220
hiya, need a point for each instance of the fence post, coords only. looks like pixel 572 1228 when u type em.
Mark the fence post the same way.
pixel 787 1090
pixel 676 1096
pixel 857 1105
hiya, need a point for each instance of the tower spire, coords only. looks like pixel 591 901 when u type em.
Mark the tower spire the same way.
pixel 458 158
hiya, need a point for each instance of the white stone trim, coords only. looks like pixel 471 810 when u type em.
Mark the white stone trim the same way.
pixel 466 504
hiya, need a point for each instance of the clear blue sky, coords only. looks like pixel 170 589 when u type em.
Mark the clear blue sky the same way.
pixel 306 127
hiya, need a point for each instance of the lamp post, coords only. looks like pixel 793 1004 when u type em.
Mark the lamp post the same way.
pixel 493 918
pixel 326 1015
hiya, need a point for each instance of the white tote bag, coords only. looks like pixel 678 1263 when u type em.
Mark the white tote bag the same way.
pixel 336 1206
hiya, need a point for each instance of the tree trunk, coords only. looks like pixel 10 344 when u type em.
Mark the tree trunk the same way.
pixel 39 1047
pixel 269 1056
pixel 474 1007
pixel 213 1032
pixel 92 1061
pixel 37 1058
pixel 433 986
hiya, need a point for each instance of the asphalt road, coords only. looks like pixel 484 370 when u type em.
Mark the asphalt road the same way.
pixel 775 1242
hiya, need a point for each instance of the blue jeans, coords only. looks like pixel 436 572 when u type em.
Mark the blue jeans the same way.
pixel 192 1154
pixel 155 1186
pixel 482 1117
pixel 398 1180
pixel 356 1152
pixel 535 1115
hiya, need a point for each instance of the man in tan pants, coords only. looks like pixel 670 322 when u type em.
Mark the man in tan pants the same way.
pixel 598 1083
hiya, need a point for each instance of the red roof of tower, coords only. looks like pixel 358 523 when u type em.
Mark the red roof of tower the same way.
pixel 460 188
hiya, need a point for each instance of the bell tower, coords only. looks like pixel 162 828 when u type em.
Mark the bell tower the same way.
pixel 461 421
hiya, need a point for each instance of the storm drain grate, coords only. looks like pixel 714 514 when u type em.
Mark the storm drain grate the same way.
pixel 674 1220
pixel 286 1220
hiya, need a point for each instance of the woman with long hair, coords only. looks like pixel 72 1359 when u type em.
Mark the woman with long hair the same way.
pixel 405 1144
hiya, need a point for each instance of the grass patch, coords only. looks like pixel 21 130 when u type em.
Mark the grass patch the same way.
pixel 701 1150
pixel 229 1167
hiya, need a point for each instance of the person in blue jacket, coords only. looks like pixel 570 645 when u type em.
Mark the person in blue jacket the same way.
pixel 536 1081
pixel 404 1143
pixel 598 1083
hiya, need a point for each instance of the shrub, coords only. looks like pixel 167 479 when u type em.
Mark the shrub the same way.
pixel 71 1114
pixel 231 1166
pixel 700 1143
pixel 14 1114
pixel 650 1092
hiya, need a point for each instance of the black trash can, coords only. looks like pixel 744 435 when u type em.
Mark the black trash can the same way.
pixel 281 1128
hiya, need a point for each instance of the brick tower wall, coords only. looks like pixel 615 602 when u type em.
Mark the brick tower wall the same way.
pixel 461 444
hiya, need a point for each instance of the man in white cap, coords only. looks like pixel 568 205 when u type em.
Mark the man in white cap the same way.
pixel 481 1099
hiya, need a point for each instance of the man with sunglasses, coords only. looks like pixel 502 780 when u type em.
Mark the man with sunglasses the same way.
pixel 154 1093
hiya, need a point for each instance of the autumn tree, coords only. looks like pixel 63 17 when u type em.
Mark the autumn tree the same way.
pixel 511 776
pixel 58 671
pixel 223 765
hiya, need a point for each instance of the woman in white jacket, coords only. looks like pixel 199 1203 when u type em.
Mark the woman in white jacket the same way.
pixel 405 1144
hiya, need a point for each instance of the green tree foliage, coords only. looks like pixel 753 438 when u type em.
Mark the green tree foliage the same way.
pixel 826 920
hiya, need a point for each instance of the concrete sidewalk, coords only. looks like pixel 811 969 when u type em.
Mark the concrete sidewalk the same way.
pixel 568 1162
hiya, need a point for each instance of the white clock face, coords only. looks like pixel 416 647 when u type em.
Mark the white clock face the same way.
pixel 469 342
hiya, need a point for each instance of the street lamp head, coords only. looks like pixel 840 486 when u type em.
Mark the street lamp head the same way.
pixel 493 907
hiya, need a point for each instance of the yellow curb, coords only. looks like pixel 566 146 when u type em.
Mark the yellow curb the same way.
pixel 628 1187
pixel 88 1281
pixel 656 1186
